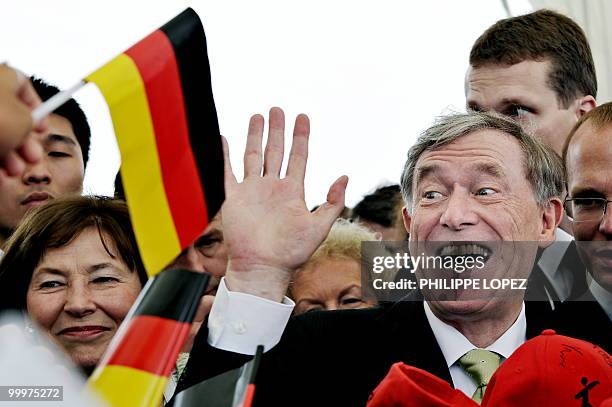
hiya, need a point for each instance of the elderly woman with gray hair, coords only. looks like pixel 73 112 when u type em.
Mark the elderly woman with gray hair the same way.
pixel 331 278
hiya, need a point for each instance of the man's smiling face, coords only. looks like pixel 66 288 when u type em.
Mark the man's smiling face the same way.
pixel 475 189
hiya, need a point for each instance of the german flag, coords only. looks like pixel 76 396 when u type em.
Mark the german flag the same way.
pixel 135 369
pixel 160 99
pixel 235 388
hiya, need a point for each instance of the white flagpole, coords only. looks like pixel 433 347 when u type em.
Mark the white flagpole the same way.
pixel 54 102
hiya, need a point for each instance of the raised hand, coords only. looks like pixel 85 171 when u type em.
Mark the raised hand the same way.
pixel 267 227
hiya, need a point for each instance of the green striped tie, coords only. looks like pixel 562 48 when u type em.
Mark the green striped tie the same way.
pixel 480 364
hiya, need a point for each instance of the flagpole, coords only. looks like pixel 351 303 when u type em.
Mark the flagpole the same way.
pixel 54 102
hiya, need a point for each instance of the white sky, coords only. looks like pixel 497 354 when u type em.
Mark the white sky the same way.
pixel 371 75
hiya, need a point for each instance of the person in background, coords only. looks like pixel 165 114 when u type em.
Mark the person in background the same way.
pixel 73 266
pixel 59 172
pixel 207 253
pixel 588 158
pixel 538 69
pixel 381 211
pixel 331 278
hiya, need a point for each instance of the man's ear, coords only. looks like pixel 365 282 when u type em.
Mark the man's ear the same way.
pixel 551 218
pixel 407 219
pixel 585 104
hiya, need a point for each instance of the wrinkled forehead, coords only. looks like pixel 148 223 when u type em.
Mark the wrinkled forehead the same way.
pixel 493 86
pixel 483 152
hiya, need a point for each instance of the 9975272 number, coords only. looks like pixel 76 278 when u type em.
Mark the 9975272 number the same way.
pixel 31 393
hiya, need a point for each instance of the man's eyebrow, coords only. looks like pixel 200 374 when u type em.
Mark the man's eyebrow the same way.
pixel 205 238
pixel 513 100
pixel 491 169
pixel 425 171
pixel 58 138
pixel 586 192
pixel 505 102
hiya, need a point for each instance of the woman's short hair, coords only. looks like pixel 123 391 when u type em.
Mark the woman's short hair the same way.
pixel 56 225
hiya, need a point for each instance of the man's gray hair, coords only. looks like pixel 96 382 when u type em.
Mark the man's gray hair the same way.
pixel 543 166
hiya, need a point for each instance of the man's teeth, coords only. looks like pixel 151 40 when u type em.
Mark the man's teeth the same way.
pixel 465 249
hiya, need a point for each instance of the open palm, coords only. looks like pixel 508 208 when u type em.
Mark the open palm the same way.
pixel 267 227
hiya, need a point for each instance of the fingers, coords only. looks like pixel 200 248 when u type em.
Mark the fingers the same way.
pixel 275 147
pixel 228 173
pixel 330 210
pixel 31 150
pixel 252 152
pixel 296 167
pixel 15 122
pixel 28 95
pixel 12 164
pixel 26 92
pixel 17 98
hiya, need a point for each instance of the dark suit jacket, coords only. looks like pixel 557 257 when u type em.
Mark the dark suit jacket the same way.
pixel 540 287
pixel 585 318
pixel 336 358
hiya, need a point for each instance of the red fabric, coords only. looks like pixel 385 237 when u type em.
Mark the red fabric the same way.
pixel 151 344
pixel 154 57
pixel 407 386
pixel 548 371
pixel 607 403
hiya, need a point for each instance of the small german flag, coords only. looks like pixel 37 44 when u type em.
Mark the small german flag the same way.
pixel 160 99
pixel 135 369
pixel 235 388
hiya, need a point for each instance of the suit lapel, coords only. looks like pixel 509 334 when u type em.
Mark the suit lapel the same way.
pixel 414 342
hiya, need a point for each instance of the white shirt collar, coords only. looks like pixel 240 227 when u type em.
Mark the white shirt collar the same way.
pixel 454 345
pixel 550 262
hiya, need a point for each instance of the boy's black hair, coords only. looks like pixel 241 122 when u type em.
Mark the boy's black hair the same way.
pixel 71 111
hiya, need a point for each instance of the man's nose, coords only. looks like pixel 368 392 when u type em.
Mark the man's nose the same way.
pixel 79 301
pixel 37 173
pixel 605 226
pixel 459 212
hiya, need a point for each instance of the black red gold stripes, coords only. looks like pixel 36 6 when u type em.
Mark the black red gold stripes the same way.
pixel 160 98
pixel 135 368
pixel 186 33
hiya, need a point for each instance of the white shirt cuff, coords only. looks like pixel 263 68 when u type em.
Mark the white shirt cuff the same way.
pixel 239 322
